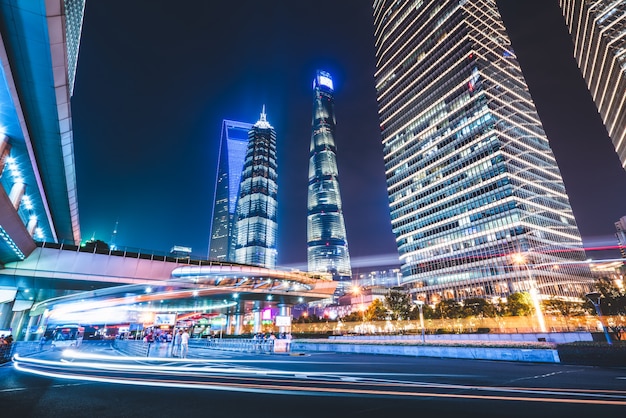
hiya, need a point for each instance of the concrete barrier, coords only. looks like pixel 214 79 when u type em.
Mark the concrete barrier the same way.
pixel 553 337
pixel 475 353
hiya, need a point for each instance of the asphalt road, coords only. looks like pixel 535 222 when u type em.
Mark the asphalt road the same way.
pixel 98 382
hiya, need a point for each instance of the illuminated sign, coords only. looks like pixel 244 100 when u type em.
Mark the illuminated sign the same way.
pixel 164 319
pixel 267 314
pixel 323 80
pixel 283 321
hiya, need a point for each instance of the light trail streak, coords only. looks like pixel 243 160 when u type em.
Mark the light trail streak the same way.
pixel 345 383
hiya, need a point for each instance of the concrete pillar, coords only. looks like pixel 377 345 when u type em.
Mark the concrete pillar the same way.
pixel 17 192
pixel 5 150
pixel 17 324
pixel 32 224
pixel 32 322
pixel 285 310
pixel 256 312
pixel 229 323
pixel 6 315
pixel 238 323
pixel 238 318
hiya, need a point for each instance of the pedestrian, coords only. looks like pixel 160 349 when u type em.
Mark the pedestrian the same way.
pixel 176 348
pixel 42 342
pixel 184 344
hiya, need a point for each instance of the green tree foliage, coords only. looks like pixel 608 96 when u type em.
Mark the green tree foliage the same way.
pixel 613 301
pixel 448 309
pixel 96 246
pixel 429 313
pixel 376 311
pixel 399 304
pixel 558 306
pixel 478 307
pixel 519 304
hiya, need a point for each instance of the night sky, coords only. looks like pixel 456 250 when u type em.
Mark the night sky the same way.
pixel 155 79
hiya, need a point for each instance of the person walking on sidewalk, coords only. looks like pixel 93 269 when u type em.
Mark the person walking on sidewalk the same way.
pixel 184 344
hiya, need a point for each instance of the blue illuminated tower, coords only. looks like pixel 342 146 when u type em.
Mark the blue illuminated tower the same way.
pixel 326 231
pixel 256 225
pixel 232 152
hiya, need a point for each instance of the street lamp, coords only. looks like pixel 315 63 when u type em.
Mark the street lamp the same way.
pixel 519 259
pixel 594 298
pixel 356 290
pixel 420 306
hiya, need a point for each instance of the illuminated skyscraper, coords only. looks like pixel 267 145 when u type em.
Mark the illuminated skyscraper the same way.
pixel 256 224
pixel 471 178
pixel 598 29
pixel 232 152
pixel 326 231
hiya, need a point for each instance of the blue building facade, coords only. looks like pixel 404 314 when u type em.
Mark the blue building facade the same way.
pixel 256 224
pixel 327 245
pixel 231 156
pixel 477 202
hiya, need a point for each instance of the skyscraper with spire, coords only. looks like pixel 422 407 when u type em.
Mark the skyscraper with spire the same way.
pixel 326 231
pixel 256 226
pixel 478 205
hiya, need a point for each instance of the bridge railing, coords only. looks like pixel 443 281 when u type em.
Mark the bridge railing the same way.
pixel 249 345
pixel 142 348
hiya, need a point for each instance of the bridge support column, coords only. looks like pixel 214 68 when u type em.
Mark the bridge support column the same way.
pixel 238 319
pixel 229 323
pixel 284 310
pixel 6 315
pixel 32 323
pixel 256 312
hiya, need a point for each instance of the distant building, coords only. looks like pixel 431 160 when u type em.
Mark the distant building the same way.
pixel 620 226
pixel 231 155
pixel 378 278
pixel 326 231
pixel 478 205
pixel 256 225
pixel 179 251
pixel 598 29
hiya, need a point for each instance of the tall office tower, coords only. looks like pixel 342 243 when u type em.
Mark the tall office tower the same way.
pixel 598 29
pixel 620 226
pixel 256 224
pixel 232 152
pixel 326 232
pixel 471 179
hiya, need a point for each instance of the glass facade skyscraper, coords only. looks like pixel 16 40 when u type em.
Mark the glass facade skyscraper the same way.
pixel 472 181
pixel 232 152
pixel 256 224
pixel 326 231
pixel 598 29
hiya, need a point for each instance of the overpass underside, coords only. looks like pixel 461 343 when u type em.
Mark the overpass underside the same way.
pixel 57 280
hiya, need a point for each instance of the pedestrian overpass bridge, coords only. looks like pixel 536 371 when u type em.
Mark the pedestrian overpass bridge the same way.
pixel 58 278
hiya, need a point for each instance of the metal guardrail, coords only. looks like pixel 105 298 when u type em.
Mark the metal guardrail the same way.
pixel 6 352
pixel 196 347
pixel 249 345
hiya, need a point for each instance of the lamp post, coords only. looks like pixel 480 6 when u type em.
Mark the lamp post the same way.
pixel 594 298
pixel 356 290
pixel 519 259
pixel 420 306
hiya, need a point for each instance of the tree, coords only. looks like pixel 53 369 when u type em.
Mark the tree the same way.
pixel 613 301
pixel 478 307
pixel 96 246
pixel 448 309
pixel 565 308
pixel 399 304
pixel 519 304
pixel 376 311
